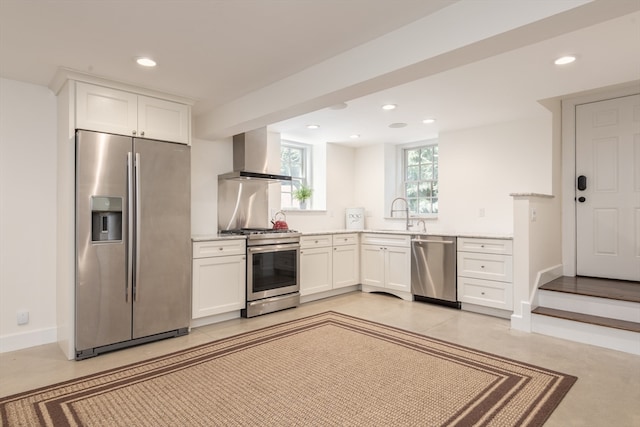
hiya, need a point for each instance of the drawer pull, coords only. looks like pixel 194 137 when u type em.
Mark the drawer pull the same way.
pixel 220 249
pixel 482 266
pixel 482 246
pixel 316 241
pixel 482 293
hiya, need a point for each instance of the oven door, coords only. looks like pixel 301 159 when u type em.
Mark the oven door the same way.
pixel 272 270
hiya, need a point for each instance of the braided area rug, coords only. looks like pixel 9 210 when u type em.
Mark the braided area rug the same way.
pixel 328 369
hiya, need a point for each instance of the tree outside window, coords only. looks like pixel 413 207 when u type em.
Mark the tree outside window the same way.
pixel 294 161
pixel 421 179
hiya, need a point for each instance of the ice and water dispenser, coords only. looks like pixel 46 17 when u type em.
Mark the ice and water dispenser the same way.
pixel 106 219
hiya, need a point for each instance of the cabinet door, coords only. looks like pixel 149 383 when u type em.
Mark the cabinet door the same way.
pixel 315 270
pixel 398 268
pixel 106 110
pixel 346 264
pixel 164 120
pixel 218 285
pixel 372 265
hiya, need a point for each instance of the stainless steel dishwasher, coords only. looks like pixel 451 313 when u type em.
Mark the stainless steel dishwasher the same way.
pixel 433 270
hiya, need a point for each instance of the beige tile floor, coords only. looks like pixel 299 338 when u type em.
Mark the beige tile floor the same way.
pixel 607 392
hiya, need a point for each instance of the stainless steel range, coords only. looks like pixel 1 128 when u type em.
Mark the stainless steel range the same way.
pixel 273 276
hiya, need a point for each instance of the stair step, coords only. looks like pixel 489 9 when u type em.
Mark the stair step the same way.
pixel 588 318
pixel 621 290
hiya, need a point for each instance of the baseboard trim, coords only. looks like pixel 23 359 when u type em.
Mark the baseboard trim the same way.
pixel 32 338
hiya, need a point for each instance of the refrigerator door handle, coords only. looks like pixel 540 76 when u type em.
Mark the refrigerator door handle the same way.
pixel 129 281
pixel 138 229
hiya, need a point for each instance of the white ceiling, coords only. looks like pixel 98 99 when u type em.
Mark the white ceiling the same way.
pixel 219 51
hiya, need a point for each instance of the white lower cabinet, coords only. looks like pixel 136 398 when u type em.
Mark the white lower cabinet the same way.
pixel 485 272
pixel 316 270
pixel 346 260
pixel 219 272
pixel 386 264
pixel 328 262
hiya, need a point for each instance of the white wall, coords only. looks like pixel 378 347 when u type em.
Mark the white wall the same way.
pixel 340 177
pixel 479 169
pixel 27 213
pixel 208 160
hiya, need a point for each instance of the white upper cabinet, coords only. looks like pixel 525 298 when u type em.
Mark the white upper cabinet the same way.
pixel 109 110
pixel 164 120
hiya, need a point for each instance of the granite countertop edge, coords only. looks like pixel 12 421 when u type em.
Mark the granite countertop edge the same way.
pixel 477 235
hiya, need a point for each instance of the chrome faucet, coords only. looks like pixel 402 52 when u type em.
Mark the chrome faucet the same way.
pixel 424 226
pixel 405 210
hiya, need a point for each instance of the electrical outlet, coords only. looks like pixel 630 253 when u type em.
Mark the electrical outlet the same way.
pixel 23 317
pixel 481 212
pixel 534 214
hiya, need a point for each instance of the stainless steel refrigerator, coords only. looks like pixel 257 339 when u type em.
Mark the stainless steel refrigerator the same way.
pixel 133 241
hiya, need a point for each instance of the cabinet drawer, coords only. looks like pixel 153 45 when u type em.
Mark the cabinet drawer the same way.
pixel 317 241
pixel 485 266
pixel 485 292
pixel 345 239
pixel 488 246
pixel 219 248
pixel 386 239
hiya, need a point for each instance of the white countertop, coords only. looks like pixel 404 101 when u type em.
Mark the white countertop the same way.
pixel 477 235
pixel 210 237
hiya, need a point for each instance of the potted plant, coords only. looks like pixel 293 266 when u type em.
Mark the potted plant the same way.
pixel 302 194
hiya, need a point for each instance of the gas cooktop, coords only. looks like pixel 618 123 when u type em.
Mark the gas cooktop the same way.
pixel 261 233
pixel 250 231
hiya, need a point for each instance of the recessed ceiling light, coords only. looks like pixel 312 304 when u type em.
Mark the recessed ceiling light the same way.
pixel 340 106
pixel 355 136
pixel 564 60
pixel 397 125
pixel 389 106
pixel 146 62
pixel 428 121
pixel 313 126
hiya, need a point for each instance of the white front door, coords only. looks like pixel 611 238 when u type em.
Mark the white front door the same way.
pixel 608 188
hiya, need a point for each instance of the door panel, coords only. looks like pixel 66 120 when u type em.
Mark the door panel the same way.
pixel 163 269
pixel 103 301
pixel 608 154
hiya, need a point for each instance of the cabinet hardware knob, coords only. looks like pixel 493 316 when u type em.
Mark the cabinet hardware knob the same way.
pixel 482 266
pixel 142 133
pixel 316 241
pixel 482 246
pixel 134 132
pixel 482 293
pixel 220 249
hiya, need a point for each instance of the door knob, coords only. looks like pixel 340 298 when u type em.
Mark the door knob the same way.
pixel 582 199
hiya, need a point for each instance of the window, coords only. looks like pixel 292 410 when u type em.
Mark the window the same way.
pixel 420 179
pixel 295 160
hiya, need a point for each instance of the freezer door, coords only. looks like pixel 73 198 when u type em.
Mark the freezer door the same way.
pixel 102 297
pixel 162 292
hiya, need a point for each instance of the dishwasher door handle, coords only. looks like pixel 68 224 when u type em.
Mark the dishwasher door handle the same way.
pixel 444 242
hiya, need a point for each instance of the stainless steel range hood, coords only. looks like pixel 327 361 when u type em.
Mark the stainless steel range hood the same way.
pixel 251 158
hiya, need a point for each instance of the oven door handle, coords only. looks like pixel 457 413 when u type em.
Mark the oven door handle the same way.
pixel 273 248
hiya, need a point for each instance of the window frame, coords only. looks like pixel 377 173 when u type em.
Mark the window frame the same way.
pixel 434 181
pixel 305 179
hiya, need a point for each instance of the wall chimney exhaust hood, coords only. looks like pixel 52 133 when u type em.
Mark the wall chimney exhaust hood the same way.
pixel 251 158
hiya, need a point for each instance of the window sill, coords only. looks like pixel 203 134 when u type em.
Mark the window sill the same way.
pixel 428 217
pixel 303 210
